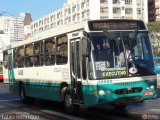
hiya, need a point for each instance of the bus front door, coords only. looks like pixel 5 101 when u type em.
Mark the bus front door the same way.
pixel 76 81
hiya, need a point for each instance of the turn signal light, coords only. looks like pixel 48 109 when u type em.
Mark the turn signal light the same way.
pixel 94 92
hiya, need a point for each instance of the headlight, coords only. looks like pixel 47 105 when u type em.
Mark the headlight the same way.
pixel 152 87
pixel 101 92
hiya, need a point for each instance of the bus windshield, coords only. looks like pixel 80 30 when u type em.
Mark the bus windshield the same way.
pixel 120 54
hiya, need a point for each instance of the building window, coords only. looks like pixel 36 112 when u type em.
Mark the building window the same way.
pixel 104 9
pixel 104 17
pixel 51 18
pixel 128 1
pixel 128 11
pixel 116 10
pixel 78 16
pixel 74 8
pixel 74 18
pixel 62 50
pixel 69 10
pixel 83 14
pixel 103 1
pixel 116 1
pixel 139 11
pixel 50 51
pixel 88 12
pixel 77 7
pixel 82 5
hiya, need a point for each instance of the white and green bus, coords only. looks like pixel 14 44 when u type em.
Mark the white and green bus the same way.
pixel 84 64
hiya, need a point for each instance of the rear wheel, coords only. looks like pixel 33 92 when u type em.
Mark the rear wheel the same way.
pixel 25 99
pixel 68 104
pixel 121 107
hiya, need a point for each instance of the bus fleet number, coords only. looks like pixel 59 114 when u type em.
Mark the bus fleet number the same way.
pixel 20 72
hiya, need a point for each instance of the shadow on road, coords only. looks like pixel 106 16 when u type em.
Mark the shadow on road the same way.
pixel 158 92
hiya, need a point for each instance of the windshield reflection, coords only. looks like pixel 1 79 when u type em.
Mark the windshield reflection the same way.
pixel 120 54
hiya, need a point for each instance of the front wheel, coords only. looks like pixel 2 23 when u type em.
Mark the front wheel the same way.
pixel 68 104
pixel 120 107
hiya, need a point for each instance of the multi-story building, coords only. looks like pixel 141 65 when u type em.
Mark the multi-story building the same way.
pixel 14 26
pixel 157 10
pixel 14 29
pixel 81 10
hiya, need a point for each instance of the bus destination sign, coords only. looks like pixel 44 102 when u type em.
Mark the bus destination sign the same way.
pixel 116 25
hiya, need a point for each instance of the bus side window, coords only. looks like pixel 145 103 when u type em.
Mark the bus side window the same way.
pixel 20 57
pixel 5 59
pixel 29 55
pixel 15 58
pixel 62 50
pixel 50 51
pixel 38 53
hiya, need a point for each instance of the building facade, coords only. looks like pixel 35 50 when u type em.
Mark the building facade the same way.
pixel 154 10
pixel 75 11
pixel 14 29
pixel 157 10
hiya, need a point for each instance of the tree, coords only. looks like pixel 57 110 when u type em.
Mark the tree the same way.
pixel 154 30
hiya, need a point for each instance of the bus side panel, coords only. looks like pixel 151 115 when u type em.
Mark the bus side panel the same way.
pixel 44 82
pixel 90 93
pixel 105 92
pixel 39 85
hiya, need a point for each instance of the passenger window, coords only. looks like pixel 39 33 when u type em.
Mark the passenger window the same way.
pixel 50 51
pixel 62 50
pixel 15 58
pixel 38 54
pixel 20 57
pixel 29 55
pixel 5 59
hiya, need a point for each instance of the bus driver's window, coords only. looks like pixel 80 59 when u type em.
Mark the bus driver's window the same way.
pixel 105 52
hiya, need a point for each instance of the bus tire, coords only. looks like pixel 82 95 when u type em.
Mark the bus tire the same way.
pixel 25 99
pixel 70 108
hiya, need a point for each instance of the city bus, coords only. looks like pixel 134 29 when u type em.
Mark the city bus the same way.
pixel 84 64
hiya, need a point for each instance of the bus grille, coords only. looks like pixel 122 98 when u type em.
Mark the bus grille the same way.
pixel 128 91
pixel 127 83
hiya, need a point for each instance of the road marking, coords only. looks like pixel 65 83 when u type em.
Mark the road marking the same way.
pixel 62 115
pixel 9 100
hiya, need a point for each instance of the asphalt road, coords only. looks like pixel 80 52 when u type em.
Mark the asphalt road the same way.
pixel 11 108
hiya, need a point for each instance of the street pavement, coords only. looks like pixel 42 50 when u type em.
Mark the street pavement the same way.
pixel 11 106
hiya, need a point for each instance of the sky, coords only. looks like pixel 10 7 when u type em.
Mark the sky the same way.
pixel 37 8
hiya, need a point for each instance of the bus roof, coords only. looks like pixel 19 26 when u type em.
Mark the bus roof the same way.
pixel 56 31
pixel 108 24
